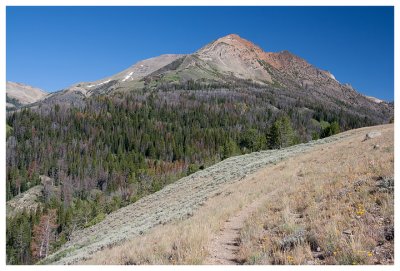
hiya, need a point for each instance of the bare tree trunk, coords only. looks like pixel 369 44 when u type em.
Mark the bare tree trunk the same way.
pixel 45 241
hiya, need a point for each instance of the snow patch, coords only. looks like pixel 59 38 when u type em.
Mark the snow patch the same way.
pixel 128 76
pixel 99 84
pixel 105 82
pixel 375 100
pixel 330 75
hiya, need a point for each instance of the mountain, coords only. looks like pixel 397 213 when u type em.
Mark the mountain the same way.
pixel 75 94
pixel 232 58
pixel 110 143
pixel 234 61
pixel 19 94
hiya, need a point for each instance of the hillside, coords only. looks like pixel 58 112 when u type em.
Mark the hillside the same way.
pixel 31 199
pixel 120 140
pixel 19 94
pixel 282 201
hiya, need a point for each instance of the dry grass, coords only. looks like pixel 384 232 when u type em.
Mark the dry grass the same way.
pixel 181 242
pixel 316 197
pixel 332 211
pixel 185 241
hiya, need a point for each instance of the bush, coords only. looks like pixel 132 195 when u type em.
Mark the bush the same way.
pixel 100 217
pixel 332 129
pixel 192 169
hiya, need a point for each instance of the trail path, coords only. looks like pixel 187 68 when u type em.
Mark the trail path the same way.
pixel 174 202
pixel 225 246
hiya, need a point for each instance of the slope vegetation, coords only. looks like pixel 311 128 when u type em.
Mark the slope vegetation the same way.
pixel 179 223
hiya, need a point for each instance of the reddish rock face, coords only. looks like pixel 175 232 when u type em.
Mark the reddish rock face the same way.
pixel 232 54
pixel 246 60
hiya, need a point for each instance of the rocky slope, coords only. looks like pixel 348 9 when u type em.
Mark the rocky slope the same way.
pixel 232 58
pixel 19 94
pixel 127 79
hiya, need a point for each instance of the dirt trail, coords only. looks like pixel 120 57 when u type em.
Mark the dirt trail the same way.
pixel 222 201
pixel 175 202
pixel 224 246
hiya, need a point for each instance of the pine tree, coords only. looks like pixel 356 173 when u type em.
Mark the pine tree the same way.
pixel 230 148
pixel 250 139
pixel 281 134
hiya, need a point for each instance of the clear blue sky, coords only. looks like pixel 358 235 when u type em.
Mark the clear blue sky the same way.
pixel 54 47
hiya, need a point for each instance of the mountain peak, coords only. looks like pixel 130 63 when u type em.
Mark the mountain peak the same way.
pixel 235 36
pixel 236 42
pixel 232 37
pixel 234 55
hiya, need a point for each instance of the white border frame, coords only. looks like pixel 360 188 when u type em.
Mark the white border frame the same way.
pixel 5 3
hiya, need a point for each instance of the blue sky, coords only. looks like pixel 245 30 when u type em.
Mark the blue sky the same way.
pixel 54 47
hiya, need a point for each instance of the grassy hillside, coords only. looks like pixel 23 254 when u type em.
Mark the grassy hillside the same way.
pixel 338 210
pixel 328 205
pixel 119 148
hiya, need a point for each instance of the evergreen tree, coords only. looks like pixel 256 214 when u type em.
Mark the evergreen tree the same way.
pixel 281 134
pixel 230 148
pixel 330 130
pixel 250 139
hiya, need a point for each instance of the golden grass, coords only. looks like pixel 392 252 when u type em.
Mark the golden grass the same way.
pixel 333 200
pixel 310 195
pixel 179 242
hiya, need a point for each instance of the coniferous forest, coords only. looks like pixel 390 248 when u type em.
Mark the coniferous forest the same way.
pixel 118 148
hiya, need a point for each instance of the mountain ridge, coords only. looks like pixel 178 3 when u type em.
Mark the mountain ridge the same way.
pixel 19 94
pixel 226 59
